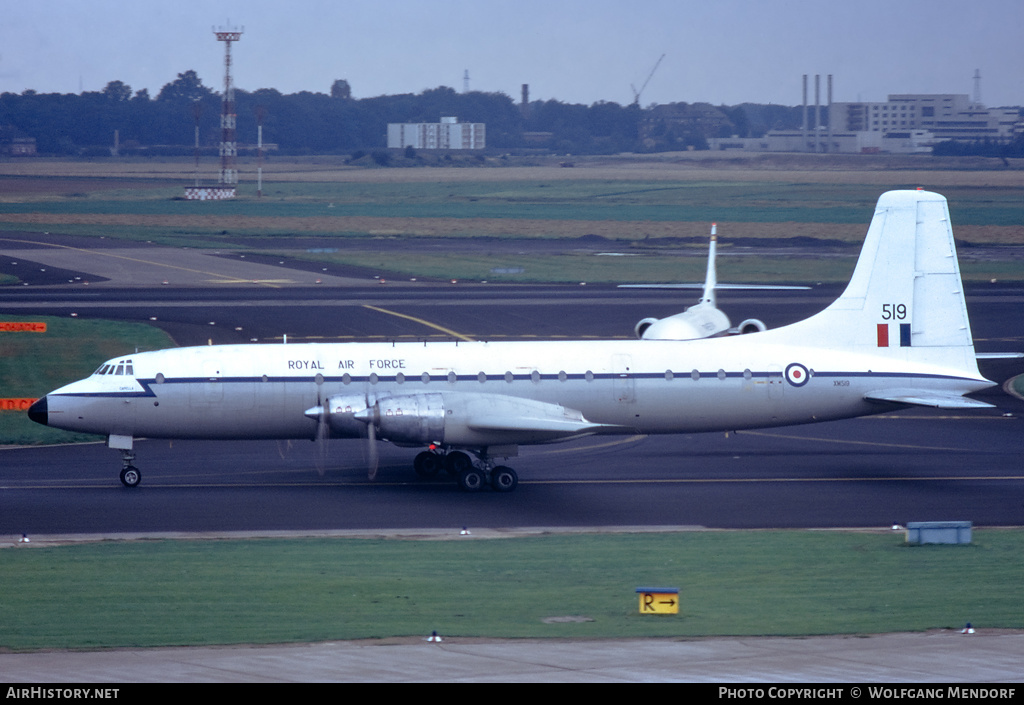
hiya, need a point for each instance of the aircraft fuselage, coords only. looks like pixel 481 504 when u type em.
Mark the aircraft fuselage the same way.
pixel 261 391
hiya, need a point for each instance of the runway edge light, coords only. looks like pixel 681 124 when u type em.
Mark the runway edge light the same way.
pixel 658 600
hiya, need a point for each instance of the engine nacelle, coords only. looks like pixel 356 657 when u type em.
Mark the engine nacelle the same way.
pixel 641 327
pixel 453 418
pixel 751 325
pixel 411 418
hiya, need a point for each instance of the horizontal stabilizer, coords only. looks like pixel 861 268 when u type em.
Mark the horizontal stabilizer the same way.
pixel 935 400
pixel 999 356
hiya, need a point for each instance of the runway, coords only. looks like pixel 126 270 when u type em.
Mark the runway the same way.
pixel 908 466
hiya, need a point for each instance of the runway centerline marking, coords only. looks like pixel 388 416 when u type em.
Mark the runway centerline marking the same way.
pixel 421 321
pixel 764 480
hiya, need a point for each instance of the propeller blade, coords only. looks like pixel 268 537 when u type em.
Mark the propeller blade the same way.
pixel 322 434
pixel 374 459
pixel 370 415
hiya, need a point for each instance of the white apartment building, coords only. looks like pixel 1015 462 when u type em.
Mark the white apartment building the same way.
pixel 447 134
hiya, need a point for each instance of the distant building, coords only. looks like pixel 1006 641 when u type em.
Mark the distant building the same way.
pixel 946 116
pixel 20 147
pixel 907 142
pixel 905 124
pixel 675 121
pixel 447 134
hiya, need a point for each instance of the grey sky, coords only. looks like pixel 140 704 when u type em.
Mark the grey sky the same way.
pixel 577 51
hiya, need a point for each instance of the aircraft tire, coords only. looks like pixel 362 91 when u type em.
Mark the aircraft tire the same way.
pixel 504 479
pixel 457 462
pixel 427 464
pixel 471 480
pixel 131 477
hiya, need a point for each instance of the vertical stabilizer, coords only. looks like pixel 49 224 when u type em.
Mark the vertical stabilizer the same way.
pixel 905 296
pixel 711 279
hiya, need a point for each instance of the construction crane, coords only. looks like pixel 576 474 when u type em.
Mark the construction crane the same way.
pixel 636 93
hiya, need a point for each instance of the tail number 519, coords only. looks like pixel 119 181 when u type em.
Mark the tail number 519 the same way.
pixel 894 312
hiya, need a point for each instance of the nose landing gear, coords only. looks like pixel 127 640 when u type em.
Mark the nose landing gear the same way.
pixel 130 475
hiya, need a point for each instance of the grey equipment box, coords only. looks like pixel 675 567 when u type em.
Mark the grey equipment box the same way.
pixel 938 532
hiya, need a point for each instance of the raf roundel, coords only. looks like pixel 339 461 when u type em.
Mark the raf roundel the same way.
pixel 797 375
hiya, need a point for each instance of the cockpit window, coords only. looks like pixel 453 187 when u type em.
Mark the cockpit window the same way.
pixel 123 367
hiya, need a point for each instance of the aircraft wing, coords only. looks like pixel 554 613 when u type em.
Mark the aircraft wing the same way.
pixel 508 415
pixel 935 400
pixel 558 427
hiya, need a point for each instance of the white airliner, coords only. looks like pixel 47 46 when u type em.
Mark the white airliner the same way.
pixel 704 319
pixel 898 335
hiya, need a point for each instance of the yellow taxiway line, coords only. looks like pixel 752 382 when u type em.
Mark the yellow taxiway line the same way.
pixel 428 324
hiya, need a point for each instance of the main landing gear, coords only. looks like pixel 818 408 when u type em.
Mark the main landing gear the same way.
pixel 473 474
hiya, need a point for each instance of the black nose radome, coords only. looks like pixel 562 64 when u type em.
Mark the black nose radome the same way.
pixel 38 412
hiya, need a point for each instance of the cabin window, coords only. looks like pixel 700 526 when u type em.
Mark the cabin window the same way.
pixel 346 378
pixel 747 374
pixel 669 375
pixel 509 377
pixel 265 378
pixel 319 379
pixel 400 378
pixel 589 376
pixel 562 376
pixel 425 378
pixel 721 375
pixel 694 375
pixel 481 377
pixel 160 377
pixel 373 378
pixel 535 376
pixel 452 378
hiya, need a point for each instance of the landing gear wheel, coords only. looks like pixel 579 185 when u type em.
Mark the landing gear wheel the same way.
pixel 504 479
pixel 457 462
pixel 471 479
pixel 427 464
pixel 130 476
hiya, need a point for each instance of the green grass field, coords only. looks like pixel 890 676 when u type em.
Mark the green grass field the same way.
pixel 574 268
pixel 153 593
pixel 725 201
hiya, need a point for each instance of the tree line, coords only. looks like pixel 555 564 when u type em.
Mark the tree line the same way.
pixel 335 123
